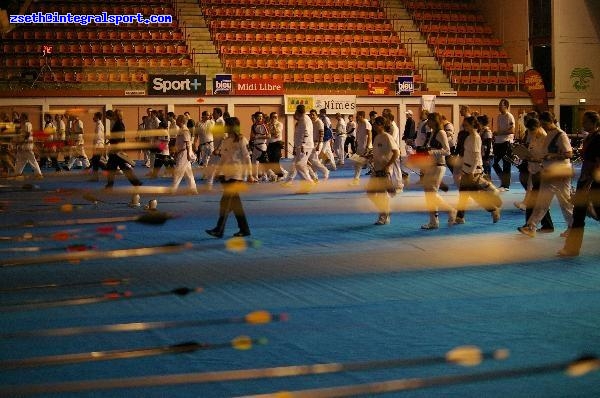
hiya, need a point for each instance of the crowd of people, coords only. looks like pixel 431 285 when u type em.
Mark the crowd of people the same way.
pixel 374 144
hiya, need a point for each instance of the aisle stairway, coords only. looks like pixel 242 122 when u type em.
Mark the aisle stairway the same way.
pixel 197 36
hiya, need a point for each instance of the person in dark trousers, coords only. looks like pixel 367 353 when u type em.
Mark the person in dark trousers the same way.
pixel 117 159
pixel 587 195
pixel 503 138
pixel 234 167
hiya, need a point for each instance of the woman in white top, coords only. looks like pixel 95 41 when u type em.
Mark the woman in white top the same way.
pixel 184 156
pixel 235 166
pixel 437 147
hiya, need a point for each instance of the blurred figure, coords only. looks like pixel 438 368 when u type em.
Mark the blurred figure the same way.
pixel 471 183
pixel 25 154
pixel 184 156
pixel 587 195
pixel 555 177
pixel 116 158
pixel 275 145
pixel 385 154
pixel 503 138
pixel 98 142
pixel 437 147
pixel 234 167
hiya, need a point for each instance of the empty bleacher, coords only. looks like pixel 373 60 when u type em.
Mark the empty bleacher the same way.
pixel 463 44
pixel 300 42
pixel 341 45
pixel 97 56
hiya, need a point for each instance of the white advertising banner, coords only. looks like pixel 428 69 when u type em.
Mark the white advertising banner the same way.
pixel 344 104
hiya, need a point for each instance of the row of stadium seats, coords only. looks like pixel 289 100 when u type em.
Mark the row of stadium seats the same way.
pixel 475 65
pixel 471 29
pixel 319 64
pixel 294 13
pixel 315 51
pixel 447 16
pixel 99 48
pixel 314 27
pixel 460 51
pixel 59 77
pixel 96 62
pixel 451 5
pixel 345 4
pixel 320 77
pixel 491 82
pixel 95 33
pixel 301 38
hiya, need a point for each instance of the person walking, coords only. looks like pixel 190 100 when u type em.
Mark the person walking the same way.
pixel 275 145
pixel 78 148
pixel 25 147
pixel 503 138
pixel 116 158
pixel 98 143
pixel 234 167
pixel 184 156
pixel 587 194
pixel 471 183
pixel 385 154
pixel 437 147
pixel 537 146
pixel 340 137
pixel 303 146
pixel 555 177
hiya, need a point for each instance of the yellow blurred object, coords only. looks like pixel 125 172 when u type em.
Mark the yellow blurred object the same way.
pixel 465 356
pixel 66 208
pixel 242 343
pixel 236 244
pixel 259 317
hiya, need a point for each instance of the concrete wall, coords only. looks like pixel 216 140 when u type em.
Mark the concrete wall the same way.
pixel 509 20
pixel 576 44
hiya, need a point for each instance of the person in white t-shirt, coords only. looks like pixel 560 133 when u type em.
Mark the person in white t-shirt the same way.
pixel 503 139
pixel 318 134
pixel 204 141
pixel 363 142
pixel 303 146
pixel 339 137
pixel 234 168
pixel 385 154
pixel 184 156
pixel 98 142
pixel 25 146
pixel 398 175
